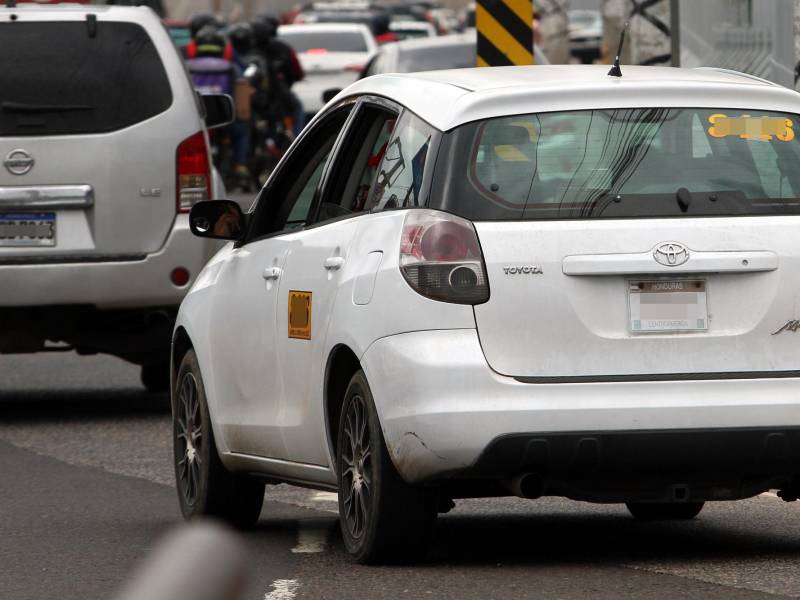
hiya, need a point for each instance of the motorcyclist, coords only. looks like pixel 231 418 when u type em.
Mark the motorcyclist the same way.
pixel 380 29
pixel 214 71
pixel 283 63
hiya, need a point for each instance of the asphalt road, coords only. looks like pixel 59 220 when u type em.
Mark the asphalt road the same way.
pixel 86 491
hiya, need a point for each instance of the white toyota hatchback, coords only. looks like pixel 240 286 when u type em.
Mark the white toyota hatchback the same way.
pixel 539 281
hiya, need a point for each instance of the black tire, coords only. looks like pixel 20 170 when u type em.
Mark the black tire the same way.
pixel 665 511
pixel 383 519
pixel 205 487
pixel 155 377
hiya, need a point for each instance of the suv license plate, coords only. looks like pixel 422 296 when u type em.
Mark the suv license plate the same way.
pixel 28 229
pixel 666 305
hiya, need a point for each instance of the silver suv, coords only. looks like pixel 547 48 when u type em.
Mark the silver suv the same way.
pixel 104 150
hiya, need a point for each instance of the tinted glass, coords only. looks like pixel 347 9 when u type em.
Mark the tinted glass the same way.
pixel 436 58
pixel 325 41
pixel 55 78
pixel 623 163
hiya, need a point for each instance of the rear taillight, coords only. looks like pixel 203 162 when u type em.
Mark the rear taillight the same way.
pixel 193 168
pixel 441 258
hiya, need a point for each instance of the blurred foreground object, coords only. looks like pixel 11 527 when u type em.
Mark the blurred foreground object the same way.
pixel 203 561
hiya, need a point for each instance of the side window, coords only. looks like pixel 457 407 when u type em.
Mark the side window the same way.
pixel 399 180
pixel 288 201
pixel 356 168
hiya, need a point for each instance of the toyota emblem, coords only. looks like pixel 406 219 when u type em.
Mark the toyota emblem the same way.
pixel 18 162
pixel 671 254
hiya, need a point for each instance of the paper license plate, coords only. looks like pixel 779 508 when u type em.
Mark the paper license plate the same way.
pixel 667 305
pixel 28 229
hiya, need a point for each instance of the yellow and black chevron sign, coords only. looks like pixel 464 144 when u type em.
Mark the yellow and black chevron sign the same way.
pixel 505 34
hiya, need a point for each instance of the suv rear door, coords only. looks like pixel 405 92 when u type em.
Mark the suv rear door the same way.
pixel 89 125
pixel 634 243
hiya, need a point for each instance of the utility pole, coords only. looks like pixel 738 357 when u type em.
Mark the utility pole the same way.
pixel 650 34
pixel 554 29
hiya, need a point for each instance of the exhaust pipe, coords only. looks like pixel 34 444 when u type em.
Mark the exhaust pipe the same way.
pixel 527 485
pixel 158 319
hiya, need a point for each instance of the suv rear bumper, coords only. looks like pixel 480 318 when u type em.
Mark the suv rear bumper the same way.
pixel 125 282
pixel 446 414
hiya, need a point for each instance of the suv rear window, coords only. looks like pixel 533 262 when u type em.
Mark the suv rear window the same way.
pixel 622 163
pixel 56 79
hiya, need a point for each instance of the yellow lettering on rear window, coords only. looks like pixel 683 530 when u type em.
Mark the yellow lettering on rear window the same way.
pixel 748 127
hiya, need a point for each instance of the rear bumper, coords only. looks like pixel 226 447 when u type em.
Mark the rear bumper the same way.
pixel 446 414
pixel 126 283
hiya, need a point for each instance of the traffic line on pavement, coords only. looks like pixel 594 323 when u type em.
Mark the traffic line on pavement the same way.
pixel 283 589
pixel 325 497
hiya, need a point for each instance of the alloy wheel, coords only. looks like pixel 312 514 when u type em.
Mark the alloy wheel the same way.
pixel 189 439
pixel 357 473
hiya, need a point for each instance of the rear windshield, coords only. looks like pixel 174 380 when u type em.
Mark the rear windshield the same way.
pixel 57 79
pixel 622 163
pixel 435 59
pixel 325 41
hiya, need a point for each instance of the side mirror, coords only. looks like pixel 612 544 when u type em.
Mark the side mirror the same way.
pixel 218 110
pixel 330 94
pixel 218 219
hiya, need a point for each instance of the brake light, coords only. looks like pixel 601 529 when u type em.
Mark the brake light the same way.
pixel 193 172
pixel 441 258
pixel 317 51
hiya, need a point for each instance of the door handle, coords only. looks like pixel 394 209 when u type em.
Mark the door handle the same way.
pixel 271 273
pixel 334 263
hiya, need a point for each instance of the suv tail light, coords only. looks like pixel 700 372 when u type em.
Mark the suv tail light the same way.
pixel 441 258
pixel 193 182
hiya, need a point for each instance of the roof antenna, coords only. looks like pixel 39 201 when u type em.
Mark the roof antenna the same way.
pixel 615 71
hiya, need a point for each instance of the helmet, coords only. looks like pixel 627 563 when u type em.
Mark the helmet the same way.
pixel 241 36
pixel 210 42
pixel 380 23
pixel 201 20
pixel 265 28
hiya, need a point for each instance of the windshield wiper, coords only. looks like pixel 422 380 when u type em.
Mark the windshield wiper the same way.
pixel 684 198
pixel 24 107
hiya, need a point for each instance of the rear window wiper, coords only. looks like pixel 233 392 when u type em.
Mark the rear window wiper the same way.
pixel 25 107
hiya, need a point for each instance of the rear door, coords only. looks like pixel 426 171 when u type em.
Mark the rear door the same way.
pixel 637 243
pixel 88 139
pixel 313 276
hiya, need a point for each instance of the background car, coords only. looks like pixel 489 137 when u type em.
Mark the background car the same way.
pixel 104 153
pixel 412 29
pixel 585 34
pixel 331 54
pixel 455 51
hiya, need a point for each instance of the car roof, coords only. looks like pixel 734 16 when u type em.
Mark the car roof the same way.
pixel 450 98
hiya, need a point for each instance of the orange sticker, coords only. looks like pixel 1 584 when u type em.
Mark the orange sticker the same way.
pixel 751 128
pixel 300 315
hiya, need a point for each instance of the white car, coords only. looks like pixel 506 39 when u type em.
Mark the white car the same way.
pixel 424 305
pixel 104 149
pixel 412 29
pixel 331 54
pixel 455 51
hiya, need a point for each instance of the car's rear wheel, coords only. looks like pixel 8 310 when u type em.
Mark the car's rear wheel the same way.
pixel 665 511
pixel 205 487
pixel 383 519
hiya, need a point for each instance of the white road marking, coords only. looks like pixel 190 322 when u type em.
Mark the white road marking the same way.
pixel 769 495
pixel 311 539
pixel 283 589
